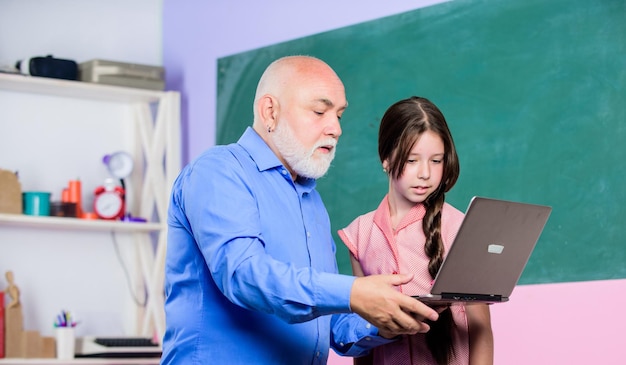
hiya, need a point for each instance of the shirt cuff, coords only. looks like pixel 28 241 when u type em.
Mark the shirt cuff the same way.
pixel 334 293
pixel 367 338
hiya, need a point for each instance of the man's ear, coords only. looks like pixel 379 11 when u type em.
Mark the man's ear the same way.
pixel 268 110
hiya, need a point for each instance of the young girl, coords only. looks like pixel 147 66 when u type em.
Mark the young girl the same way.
pixel 411 231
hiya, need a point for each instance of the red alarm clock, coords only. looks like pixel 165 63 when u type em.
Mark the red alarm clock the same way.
pixel 109 201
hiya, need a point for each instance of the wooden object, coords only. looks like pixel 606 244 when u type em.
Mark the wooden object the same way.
pixel 48 349
pixel 14 341
pixel 18 342
pixel 10 193
pixel 32 344
pixel 14 320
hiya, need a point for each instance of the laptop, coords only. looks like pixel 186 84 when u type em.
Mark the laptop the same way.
pixel 489 253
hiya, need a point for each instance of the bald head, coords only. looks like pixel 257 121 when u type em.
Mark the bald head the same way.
pixel 284 76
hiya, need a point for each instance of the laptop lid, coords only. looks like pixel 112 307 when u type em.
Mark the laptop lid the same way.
pixel 490 251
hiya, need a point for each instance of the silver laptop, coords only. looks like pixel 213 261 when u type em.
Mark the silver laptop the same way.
pixel 489 253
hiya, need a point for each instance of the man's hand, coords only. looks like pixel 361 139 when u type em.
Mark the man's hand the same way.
pixel 376 300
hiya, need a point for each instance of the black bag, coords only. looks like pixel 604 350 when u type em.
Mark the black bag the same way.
pixel 49 67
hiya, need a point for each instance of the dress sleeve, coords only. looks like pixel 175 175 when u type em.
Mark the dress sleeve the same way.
pixel 350 237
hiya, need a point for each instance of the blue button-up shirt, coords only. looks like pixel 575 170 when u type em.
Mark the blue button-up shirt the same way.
pixel 250 274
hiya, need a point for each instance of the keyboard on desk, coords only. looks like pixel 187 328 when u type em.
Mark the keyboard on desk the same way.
pixel 117 347
pixel 125 341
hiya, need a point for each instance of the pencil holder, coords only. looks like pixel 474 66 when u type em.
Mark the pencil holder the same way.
pixel 65 342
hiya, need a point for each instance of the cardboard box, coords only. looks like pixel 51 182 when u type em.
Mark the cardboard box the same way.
pixel 10 193
pixel 122 74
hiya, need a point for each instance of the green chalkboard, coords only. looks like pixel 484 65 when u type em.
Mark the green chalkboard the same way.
pixel 535 95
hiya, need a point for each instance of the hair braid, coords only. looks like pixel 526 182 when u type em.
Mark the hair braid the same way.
pixel 439 339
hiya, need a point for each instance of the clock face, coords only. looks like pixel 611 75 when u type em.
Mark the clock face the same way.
pixel 108 205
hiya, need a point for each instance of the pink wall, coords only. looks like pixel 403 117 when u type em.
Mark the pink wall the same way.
pixel 571 323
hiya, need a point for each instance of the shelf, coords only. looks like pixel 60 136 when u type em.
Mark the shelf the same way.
pixel 84 361
pixel 63 223
pixel 154 142
pixel 77 89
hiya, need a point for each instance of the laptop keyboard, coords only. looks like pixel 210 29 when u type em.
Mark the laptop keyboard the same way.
pixel 125 342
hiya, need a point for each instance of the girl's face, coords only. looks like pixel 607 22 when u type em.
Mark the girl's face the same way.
pixel 422 173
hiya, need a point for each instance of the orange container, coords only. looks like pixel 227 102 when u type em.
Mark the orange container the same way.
pixel 75 196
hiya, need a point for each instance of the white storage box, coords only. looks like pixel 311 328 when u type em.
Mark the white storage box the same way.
pixel 122 74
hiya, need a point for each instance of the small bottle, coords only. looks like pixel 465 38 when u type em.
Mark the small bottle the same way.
pixel 75 196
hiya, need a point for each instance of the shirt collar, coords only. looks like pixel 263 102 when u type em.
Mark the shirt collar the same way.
pixel 260 152
pixel 382 216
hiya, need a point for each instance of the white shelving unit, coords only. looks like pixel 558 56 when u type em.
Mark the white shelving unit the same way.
pixel 154 144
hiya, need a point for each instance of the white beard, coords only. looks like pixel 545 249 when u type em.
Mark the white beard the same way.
pixel 302 161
